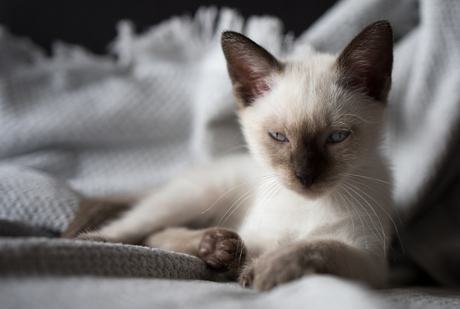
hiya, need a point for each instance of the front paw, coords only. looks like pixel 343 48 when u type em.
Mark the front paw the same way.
pixel 285 264
pixel 269 272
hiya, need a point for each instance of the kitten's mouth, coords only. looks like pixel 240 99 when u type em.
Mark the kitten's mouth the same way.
pixel 312 192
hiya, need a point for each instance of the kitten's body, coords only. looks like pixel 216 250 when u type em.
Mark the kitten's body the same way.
pixel 307 201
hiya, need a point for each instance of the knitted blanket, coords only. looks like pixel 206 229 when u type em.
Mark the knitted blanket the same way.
pixel 77 124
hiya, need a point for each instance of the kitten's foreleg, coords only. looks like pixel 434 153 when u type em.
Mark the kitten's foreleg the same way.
pixel 293 261
pixel 94 212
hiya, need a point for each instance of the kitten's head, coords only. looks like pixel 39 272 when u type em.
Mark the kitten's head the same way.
pixel 314 119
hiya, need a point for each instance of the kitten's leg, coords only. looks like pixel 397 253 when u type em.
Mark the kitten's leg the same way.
pixel 290 262
pixel 194 198
pixel 219 248
pixel 94 212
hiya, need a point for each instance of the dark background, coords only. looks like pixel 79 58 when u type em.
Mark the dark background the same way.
pixel 92 23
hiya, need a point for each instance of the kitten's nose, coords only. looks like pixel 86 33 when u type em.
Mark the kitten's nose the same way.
pixel 307 178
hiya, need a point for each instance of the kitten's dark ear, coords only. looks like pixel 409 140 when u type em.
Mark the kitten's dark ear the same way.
pixel 249 65
pixel 366 63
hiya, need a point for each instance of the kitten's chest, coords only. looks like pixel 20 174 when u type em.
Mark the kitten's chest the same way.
pixel 286 218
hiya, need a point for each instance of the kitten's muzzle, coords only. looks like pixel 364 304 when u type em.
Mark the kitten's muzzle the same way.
pixel 307 178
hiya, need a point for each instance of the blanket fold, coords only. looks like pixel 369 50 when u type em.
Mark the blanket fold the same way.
pixel 44 256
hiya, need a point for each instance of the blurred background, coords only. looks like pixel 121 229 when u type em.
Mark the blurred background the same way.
pixel 91 23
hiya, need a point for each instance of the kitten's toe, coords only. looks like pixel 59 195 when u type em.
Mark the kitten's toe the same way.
pixel 92 236
pixel 260 276
pixel 246 278
pixel 222 250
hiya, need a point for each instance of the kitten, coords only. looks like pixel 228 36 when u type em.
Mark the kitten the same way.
pixel 315 195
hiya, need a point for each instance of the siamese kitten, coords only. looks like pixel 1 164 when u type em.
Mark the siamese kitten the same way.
pixel 315 194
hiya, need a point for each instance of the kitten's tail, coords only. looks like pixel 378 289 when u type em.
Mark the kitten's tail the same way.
pixel 94 212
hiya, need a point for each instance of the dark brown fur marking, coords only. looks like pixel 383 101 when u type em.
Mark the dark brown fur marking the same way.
pixel 96 211
pixel 305 258
pixel 248 66
pixel 366 63
pixel 310 160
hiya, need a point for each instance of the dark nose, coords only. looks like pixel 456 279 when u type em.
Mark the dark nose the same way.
pixel 307 178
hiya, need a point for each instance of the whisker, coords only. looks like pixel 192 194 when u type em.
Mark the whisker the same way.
pixel 236 187
pixel 369 216
pixel 384 210
pixel 263 178
pixel 376 215
pixel 231 207
pixel 357 116
pixel 345 198
pixel 261 192
pixel 367 177
pixel 262 206
pixel 236 208
pixel 381 194
pixel 232 149
pixel 348 210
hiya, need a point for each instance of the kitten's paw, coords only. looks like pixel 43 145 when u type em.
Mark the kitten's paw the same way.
pixel 266 273
pixel 284 265
pixel 222 250
pixel 92 236
pixel 270 274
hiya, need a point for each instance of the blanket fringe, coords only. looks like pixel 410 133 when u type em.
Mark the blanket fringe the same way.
pixel 176 39
pixel 186 37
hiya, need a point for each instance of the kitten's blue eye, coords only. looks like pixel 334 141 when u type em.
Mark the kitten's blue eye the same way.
pixel 338 136
pixel 279 137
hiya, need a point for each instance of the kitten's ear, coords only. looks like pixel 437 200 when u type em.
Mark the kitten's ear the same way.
pixel 249 66
pixel 366 63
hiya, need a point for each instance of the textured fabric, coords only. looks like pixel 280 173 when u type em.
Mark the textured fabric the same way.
pixel 42 256
pixel 118 293
pixel 35 198
pixel 86 292
pixel 110 126
pixel 76 124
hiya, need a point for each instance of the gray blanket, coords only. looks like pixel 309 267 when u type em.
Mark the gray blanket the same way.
pixel 80 125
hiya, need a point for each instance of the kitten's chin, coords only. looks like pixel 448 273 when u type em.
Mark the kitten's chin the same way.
pixel 312 193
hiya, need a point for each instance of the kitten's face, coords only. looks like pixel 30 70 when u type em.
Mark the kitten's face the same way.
pixel 309 129
pixel 312 120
